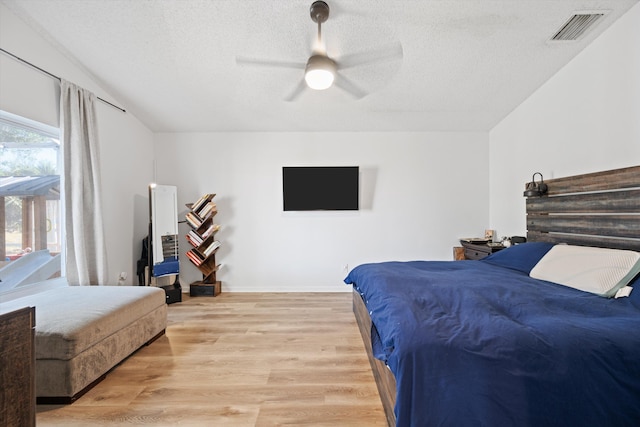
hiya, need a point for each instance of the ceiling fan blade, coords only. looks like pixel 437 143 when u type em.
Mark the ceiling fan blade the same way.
pixel 387 53
pixel 348 86
pixel 242 60
pixel 296 91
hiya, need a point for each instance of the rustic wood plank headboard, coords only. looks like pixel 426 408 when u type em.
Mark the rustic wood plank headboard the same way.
pixel 596 209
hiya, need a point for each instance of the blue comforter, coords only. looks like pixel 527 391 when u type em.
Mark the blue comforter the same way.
pixel 473 343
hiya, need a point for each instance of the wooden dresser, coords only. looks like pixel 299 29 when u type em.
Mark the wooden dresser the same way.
pixel 17 368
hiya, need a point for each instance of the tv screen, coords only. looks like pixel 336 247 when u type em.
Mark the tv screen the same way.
pixel 311 188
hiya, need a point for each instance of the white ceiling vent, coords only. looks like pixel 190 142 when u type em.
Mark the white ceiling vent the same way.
pixel 577 25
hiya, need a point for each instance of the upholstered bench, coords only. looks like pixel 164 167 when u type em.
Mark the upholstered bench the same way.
pixel 84 331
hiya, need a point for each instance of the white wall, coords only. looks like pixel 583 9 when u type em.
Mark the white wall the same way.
pixel 420 192
pixel 125 144
pixel 584 119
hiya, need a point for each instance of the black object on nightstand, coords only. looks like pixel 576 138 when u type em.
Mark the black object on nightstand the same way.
pixel 480 250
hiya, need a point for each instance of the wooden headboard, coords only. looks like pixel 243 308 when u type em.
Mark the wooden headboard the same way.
pixel 596 209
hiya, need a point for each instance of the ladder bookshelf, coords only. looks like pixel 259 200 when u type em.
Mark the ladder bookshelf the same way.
pixel 202 238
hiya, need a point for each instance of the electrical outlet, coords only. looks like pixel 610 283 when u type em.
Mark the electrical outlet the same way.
pixel 121 278
pixel 345 269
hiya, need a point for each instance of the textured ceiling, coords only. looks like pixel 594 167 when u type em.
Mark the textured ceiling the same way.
pixel 172 63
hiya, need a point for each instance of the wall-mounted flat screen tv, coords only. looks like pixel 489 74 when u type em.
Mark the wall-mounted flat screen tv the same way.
pixel 312 188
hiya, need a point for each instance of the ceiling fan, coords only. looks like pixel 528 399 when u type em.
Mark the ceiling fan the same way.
pixel 321 71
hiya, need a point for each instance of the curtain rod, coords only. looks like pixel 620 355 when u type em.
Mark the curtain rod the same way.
pixel 53 76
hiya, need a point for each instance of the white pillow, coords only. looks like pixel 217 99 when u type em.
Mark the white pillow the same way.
pixel 597 270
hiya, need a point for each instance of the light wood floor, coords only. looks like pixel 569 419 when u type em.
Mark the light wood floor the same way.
pixel 240 359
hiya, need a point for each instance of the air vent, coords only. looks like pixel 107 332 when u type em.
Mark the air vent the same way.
pixel 576 26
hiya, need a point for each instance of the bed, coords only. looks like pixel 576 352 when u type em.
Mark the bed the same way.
pixel 494 342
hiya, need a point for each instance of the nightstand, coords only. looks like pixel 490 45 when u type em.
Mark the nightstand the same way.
pixel 479 251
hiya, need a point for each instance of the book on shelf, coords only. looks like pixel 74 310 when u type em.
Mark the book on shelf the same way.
pixel 194 238
pixel 198 203
pixel 191 242
pixel 206 210
pixel 193 233
pixel 210 230
pixel 212 247
pixel 189 221
pixel 201 201
pixel 192 220
pixel 194 258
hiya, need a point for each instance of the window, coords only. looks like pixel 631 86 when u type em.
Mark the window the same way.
pixel 30 210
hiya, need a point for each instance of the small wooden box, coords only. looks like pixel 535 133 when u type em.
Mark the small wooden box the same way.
pixel 198 289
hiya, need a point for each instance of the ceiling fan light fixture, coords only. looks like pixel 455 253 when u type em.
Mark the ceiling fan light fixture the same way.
pixel 320 72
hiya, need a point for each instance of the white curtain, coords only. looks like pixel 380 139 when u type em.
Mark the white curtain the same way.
pixel 85 254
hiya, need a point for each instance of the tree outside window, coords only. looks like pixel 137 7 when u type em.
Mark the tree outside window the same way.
pixel 29 188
